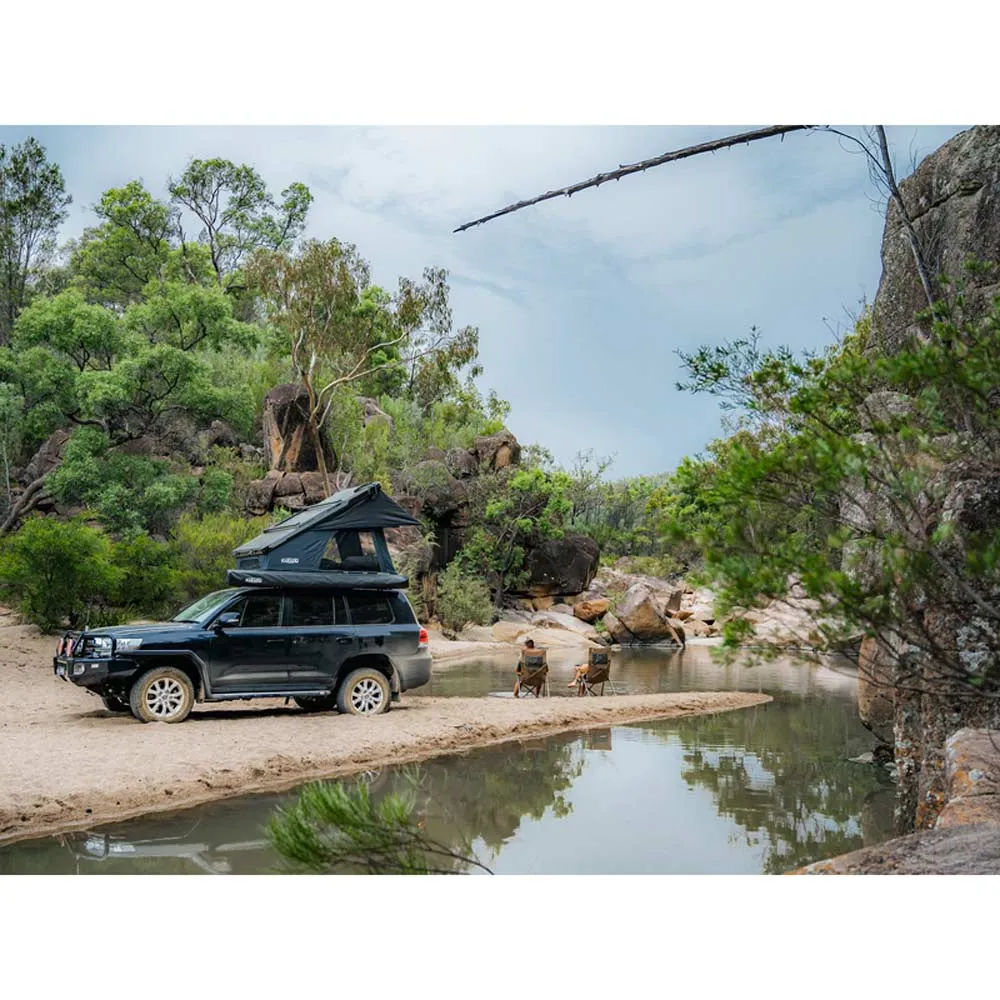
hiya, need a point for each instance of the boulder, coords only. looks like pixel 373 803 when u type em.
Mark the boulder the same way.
pixel 642 614
pixel 562 608
pixel 219 434
pixel 259 496
pixel 251 453
pixel 590 611
pixel 876 703
pixel 48 456
pixel 288 485
pixel 288 445
pixel 313 486
pixel 617 630
pixel 462 463
pixel 543 603
pixel 507 631
pixel 952 201
pixel 698 628
pixel 497 451
pixel 561 565
pixel 441 494
pixel 372 412
pixel 568 623
pixel 476 633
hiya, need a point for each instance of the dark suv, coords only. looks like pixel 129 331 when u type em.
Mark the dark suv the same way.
pixel 354 650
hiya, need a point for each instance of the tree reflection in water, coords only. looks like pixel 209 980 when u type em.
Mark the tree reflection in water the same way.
pixel 484 795
pixel 772 771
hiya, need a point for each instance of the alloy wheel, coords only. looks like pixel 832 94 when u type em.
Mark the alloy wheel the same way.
pixel 367 696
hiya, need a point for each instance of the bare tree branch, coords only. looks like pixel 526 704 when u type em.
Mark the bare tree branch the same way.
pixel 634 168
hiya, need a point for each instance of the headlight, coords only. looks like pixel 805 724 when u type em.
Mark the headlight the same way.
pixel 102 645
pixel 127 645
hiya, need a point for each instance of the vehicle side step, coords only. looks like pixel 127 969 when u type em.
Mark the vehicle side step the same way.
pixel 244 695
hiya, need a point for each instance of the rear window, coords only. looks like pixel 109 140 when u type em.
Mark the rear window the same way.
pixel 313 609
pixel 370 608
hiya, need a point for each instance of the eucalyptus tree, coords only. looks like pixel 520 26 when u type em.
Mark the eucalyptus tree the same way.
pixel 33 204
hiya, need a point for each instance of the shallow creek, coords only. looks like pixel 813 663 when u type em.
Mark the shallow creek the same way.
pixel 761 790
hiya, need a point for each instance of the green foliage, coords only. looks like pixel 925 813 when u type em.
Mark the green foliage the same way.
pixel 113 262
pixel 57 571
pixel 238 213
pixel 333 828
pixel 462 598
pixel 511 509
pixel 202 550
pixel 128 492
pixel 33 204
pixel 146 576
pixel 896 431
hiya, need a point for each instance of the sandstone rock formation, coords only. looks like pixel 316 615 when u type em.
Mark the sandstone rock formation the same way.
pixel 288 445
pixel 561 566
pixel 642 617
pixel 953 198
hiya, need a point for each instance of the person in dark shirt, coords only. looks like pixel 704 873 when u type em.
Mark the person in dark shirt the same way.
pixel 528 647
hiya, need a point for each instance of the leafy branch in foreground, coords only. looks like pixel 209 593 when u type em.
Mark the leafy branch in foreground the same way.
pixel 332 827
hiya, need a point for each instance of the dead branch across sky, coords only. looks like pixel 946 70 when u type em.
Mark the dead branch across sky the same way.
pixel 635 168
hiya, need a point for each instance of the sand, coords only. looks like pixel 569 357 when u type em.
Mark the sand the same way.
pixel 65 762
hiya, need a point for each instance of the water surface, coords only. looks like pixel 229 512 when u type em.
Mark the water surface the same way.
pixel 760 790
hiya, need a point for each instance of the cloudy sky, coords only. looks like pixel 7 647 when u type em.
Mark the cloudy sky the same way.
pixel 581 303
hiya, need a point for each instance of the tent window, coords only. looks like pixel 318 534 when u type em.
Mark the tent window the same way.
pixel 351 551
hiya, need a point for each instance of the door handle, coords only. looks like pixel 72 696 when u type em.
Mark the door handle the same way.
pixel 343 639
pixel 273 642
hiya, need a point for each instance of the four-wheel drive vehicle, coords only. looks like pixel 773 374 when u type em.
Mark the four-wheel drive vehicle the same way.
pixel 352 650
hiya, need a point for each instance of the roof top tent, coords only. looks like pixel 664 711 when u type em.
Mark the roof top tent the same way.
pixel 339 541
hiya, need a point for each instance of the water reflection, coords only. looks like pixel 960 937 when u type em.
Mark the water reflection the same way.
pixel 761 790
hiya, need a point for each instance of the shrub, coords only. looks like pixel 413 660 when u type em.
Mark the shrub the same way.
pixel 216 491
pixel 462 599
pixel 58 571
pixel 146 582
pixel 202 550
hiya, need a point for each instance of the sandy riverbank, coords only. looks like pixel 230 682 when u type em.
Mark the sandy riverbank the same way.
pixel 65 762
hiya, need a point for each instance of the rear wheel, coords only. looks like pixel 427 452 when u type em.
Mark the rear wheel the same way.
pixel 364 692
pixel 317 704
pixel 163 694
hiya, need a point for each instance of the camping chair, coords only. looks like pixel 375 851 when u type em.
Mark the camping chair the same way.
pixel 533 673
pixel 598 673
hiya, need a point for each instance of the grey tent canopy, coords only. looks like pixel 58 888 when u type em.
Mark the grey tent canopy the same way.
pixel 342 538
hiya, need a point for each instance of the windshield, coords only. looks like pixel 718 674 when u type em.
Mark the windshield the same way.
pixel 203 609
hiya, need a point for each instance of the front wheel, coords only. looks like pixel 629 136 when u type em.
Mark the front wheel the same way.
pixel 364 692
pixel 163 694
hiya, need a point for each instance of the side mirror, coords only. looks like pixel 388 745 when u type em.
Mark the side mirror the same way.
pixel 227 619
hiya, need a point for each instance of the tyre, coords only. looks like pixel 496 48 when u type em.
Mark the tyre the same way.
pixel 163 694
pixel 116 703
pixel 317 704
pixel 364 692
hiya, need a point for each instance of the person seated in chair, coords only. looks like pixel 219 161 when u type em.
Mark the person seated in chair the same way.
pixel 528 647
pixel 581 672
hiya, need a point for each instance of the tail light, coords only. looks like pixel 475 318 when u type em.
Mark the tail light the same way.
pixel 423 641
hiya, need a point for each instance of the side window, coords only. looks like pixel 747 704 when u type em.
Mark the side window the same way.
pixel 259 611
pixel 313 609
pixel 369 608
